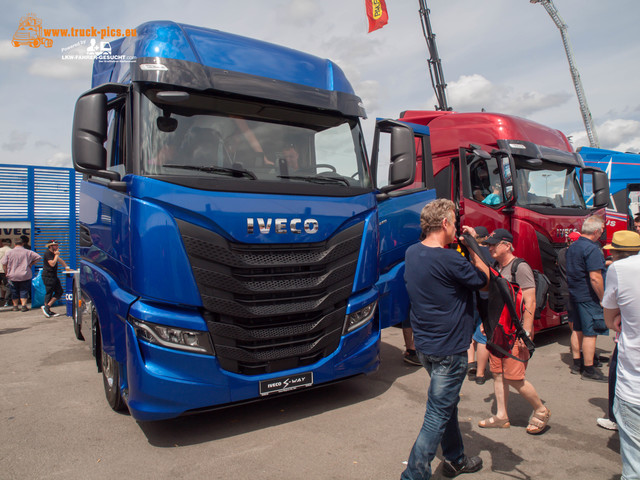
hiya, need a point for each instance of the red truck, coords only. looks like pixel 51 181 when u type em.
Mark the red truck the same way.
pixel 507 172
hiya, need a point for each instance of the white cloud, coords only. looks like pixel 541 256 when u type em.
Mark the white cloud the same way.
pixel 60 159
pixel 9 52
pixel 620 134
pixel 475 92
pixel 58 68
pixel 17 141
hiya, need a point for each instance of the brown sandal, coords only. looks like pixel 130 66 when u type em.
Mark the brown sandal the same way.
pixel 539 422
pixel 494 422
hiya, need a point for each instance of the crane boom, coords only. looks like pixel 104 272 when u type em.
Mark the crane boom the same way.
pixel 577 83
pixel 435 65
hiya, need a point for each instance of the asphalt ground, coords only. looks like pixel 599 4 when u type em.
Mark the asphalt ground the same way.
pixel 56 423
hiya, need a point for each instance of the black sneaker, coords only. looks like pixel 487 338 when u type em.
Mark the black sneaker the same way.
pixel 481 380
pixel 46 311
pixel 25 308
pixel 411 357
pixel 576 369
pixel 467 465
pixel 472 369
pixel 595 376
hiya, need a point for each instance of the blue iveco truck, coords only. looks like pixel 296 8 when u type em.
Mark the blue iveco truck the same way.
pixel 234 240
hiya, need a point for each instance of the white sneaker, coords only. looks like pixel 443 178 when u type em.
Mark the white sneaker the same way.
pixel 607 424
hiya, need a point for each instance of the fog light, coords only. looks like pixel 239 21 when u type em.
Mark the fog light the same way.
pixel 357 319
pixel 172 337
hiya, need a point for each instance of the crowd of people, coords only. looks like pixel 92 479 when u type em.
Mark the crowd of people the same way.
pixel 444 333
pixel 16 274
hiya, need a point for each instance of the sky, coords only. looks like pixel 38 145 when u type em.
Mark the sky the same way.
pixel 502 56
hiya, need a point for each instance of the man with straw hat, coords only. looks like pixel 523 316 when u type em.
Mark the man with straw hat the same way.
pixel 50 277
pixel 621 304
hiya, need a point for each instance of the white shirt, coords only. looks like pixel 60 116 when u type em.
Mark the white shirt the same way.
pixel 623 291
pixel 3 251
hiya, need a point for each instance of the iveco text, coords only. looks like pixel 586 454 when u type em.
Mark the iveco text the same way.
pixel 310 225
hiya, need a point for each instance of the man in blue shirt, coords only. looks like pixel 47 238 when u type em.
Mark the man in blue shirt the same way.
pixel 441 283
pixel 585 267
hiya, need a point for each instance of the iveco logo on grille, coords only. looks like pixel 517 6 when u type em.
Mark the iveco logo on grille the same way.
pixel 282 225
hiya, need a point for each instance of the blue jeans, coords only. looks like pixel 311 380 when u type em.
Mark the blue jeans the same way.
pixel 440 426
pixel 628 418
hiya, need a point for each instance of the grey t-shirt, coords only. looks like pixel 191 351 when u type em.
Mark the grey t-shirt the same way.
pixel 524 275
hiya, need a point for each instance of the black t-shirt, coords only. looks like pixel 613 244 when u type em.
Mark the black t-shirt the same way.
pixel 440 283
pixel 48 271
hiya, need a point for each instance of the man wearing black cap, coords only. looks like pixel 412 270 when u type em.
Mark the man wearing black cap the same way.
pixel 506 371
pixel 50 277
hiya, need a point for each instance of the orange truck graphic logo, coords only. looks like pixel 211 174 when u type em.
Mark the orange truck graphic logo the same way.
pixel 30 33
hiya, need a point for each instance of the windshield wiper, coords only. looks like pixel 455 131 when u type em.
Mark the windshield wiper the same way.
pixel 233 172
pixel 316 179
pixel 574 206
pixel 543 204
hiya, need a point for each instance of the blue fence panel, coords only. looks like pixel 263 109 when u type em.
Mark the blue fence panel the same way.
pixel 43 203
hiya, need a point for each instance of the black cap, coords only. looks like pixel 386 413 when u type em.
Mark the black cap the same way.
pixel 481 231
pixel 499 235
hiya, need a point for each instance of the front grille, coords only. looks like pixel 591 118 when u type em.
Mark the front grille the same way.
pixel 558 295
pixel 272 307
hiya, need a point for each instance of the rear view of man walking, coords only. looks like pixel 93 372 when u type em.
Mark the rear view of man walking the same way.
pixel 585 264
pixel 17 265
pixel 440 283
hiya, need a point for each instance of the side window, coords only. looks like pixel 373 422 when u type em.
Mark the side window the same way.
pixel 484 175
pixel 115 141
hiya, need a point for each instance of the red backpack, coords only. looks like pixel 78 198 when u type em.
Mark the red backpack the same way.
pixel 503 322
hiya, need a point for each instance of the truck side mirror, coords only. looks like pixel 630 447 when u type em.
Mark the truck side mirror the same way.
pixel 507 170
pixel 600 189
pixel 403 158
pixel 393 157
pixel 90 133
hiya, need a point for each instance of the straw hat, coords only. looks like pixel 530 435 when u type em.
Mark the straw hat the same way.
pixel 51 243
pixel 624 240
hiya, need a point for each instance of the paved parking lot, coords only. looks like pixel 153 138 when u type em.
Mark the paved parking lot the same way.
pixel 56 423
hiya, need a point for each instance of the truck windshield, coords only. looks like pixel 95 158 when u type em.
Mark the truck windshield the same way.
pixel 233 140
pixel 547 184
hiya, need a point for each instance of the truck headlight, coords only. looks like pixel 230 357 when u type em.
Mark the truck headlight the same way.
pixel 172 337
pixel 360 317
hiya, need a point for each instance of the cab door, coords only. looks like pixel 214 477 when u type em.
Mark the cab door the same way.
pixel 401 167
pixel 485 191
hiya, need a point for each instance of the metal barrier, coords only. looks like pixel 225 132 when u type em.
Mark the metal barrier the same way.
pixel 41 203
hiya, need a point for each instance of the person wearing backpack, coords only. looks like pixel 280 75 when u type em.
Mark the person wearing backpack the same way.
pixel 509 372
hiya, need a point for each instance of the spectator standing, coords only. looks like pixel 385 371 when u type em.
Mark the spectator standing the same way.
pixel 622 314
pixel 585 268
pixel 564 288
pixel 508 372
pixel 17 265
pixel 26 242
pixel 5 293
pixel 440 283
pixel 478 355
pixel 50 277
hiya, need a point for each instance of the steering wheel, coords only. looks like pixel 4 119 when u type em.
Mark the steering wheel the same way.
pixel 326 165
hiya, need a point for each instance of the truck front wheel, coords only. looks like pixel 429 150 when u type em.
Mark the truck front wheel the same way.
pixel 111 378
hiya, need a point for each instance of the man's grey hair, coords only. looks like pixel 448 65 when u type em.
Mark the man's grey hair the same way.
pixel 591 225
pixel 434 212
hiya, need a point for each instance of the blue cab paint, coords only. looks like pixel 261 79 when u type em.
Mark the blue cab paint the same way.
pixel 216 265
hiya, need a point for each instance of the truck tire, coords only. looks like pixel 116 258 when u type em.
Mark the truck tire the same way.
pixel 110 369
pixel 75 314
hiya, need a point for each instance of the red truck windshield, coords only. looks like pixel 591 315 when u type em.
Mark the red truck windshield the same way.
pixel 548 184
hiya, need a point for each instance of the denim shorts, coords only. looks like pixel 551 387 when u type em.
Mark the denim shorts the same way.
pixel 588 318
pixel 20 289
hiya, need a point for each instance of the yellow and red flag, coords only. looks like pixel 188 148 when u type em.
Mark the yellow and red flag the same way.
pixel 376 14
